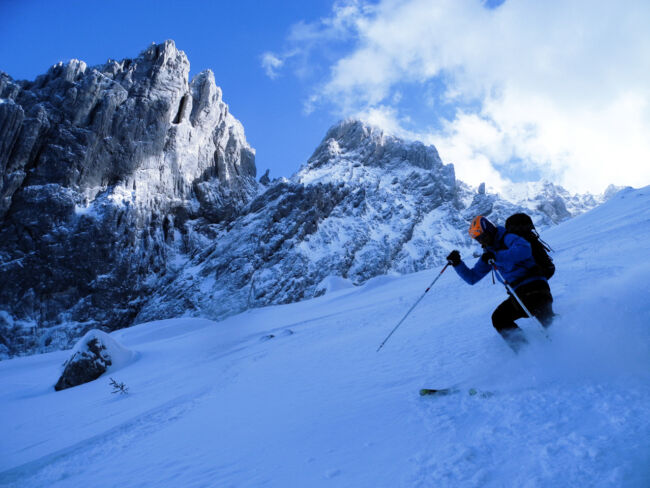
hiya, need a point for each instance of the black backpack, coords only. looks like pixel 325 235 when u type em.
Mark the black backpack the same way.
pixel 522 225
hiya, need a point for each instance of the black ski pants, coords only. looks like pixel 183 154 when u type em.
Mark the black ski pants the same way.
pixel 537 297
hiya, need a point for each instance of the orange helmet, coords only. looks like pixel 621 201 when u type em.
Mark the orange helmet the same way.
pixel 481 225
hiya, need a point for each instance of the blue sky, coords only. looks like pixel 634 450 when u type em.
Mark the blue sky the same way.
pixel 225 36
pixel 508 91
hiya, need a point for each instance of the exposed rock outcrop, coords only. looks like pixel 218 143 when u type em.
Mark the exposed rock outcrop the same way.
pixel 101 168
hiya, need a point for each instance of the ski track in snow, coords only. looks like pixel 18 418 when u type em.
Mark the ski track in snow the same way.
pixel 225 404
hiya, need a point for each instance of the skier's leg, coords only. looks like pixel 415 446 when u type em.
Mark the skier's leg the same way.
pixel 503 320
pixel 538 299
pixel 544 312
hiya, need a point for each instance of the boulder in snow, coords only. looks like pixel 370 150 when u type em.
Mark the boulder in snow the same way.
pixel 94 354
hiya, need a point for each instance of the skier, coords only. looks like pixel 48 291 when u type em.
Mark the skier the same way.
pixel 512 256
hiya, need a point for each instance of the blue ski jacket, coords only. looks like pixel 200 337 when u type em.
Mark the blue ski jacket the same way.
pixel 514 260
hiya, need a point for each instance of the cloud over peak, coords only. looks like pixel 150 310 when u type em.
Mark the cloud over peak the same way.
pixel 558 89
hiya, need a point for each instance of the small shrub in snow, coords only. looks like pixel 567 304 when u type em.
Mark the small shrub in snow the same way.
pixel 120 388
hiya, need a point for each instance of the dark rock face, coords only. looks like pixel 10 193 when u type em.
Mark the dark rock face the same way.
pixel 85 366
pixel 100 170
pixel 265 180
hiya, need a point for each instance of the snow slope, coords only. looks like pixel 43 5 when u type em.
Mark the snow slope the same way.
pixel 295 395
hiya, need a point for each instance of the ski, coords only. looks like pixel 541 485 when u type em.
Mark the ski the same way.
pixel 438 391
pixel 449 391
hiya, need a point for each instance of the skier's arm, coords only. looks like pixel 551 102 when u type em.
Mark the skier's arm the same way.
pixel 517 250
pixel 473 275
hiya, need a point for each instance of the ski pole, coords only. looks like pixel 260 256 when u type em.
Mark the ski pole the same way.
pixel 512 292
pixel 414 305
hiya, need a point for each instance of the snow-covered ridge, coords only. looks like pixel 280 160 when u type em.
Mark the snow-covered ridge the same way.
pixel 365 204
pixel 355 152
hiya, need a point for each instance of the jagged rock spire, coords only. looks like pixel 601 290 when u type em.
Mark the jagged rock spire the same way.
pixel 101 169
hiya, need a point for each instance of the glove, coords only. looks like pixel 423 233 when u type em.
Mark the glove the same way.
pixel 487 257
pixel 454 258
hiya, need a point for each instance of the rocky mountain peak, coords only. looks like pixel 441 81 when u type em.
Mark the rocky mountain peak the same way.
pixel 160 66
pixel 353 149
pixel 350 134
pixel 71 71
pixel 105 172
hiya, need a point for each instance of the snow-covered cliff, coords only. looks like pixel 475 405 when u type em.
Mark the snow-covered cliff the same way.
pixel 101 167
pixel 365 204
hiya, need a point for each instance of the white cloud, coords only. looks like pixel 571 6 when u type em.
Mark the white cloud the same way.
pixel 455 146
pixel 471 143
pixel 271 64
pixel 347 16
pixel 305 38
pixel 386 118
pixel 562 86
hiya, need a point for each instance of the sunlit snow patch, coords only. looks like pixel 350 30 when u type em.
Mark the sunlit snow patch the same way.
pixel 333 283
